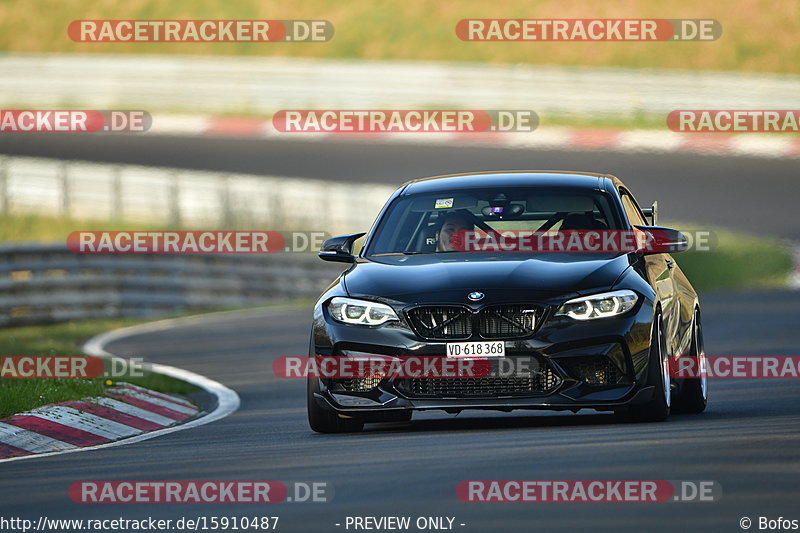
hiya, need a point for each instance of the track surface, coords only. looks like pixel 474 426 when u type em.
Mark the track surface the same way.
pixel 748 439
pixel 755 195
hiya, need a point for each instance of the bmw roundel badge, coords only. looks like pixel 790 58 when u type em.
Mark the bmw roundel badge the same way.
pixel 475 296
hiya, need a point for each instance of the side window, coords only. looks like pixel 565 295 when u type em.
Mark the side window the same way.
pixel 632 209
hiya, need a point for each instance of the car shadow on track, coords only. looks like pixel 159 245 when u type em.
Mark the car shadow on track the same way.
pixel 466 423
pixel 500 422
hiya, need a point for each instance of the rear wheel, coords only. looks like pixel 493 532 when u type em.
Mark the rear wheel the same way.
pixel 658 377
pixel 324 421
pixel 693 395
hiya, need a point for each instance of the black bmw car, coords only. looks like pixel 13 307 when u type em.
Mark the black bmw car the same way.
pixel 596 328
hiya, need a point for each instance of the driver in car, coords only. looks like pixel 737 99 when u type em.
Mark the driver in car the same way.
pixel 451 225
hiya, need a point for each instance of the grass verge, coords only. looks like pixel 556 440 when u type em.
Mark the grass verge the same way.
pixel 757 35
pixel 737 261
pixel 18 395
pixel 32 228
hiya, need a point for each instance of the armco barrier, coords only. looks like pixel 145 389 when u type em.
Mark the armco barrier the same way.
pixel 185 198
pixel 48 283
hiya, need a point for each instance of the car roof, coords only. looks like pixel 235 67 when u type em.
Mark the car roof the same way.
pixel 515 178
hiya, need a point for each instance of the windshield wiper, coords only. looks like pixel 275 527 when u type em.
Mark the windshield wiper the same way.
pixel 418 253
pixel 403 253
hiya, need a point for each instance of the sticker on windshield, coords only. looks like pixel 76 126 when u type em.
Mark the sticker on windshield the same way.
pixel 443 203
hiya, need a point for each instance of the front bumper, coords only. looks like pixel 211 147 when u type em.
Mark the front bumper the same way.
pixel 599 365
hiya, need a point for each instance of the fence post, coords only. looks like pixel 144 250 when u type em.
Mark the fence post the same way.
pixel 116 192
pixel 226 215
pixel 175 199
pixel 65 189
pixel 5 203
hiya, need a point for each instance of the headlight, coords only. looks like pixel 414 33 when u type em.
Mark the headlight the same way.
pixel 352 311
pixel 599 305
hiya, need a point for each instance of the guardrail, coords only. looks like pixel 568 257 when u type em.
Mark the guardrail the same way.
pixel 214 85
pixel 48 283
pixel 185 198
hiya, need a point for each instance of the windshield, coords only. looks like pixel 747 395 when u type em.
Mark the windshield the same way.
pixel 426 223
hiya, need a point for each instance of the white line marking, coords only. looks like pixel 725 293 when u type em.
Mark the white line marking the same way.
pixel 646 140
pixel 760 145
pixel 30 441
pixel 158 401
pixel 169 397
pixel 179 124
pixel 96 425
pixel 132 410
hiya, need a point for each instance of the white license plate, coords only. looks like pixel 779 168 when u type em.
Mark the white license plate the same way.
pixel 476 349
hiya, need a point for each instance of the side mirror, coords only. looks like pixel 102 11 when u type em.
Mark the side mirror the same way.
pixel 651 213
pixel 663 240
pixel 339 249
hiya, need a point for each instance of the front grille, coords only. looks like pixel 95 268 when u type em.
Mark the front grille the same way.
pixel 449 322
pixel 597 370
pixel 441 322
pixel 506 321
pixel 540 380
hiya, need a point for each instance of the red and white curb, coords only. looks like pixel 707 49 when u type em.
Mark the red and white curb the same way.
pixel 127 410
pixel 126 415
pixel 555 138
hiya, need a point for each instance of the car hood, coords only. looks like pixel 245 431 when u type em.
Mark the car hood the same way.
pixel 503 277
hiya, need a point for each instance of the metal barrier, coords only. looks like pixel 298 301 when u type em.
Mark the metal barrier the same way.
pixel 185 198
pixel 48 283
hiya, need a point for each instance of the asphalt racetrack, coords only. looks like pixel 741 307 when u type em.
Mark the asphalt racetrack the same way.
pixel 747 440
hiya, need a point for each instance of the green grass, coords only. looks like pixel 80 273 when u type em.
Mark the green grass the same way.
pixel 24 227
pixel 736 261
pixel 758 35
pixel 18 395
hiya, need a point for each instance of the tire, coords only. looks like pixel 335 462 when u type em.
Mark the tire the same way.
pixel 693 394
pixel 324 421
pixel 657 409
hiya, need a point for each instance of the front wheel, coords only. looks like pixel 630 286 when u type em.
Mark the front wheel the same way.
pixel 324 421
pixel 658 377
